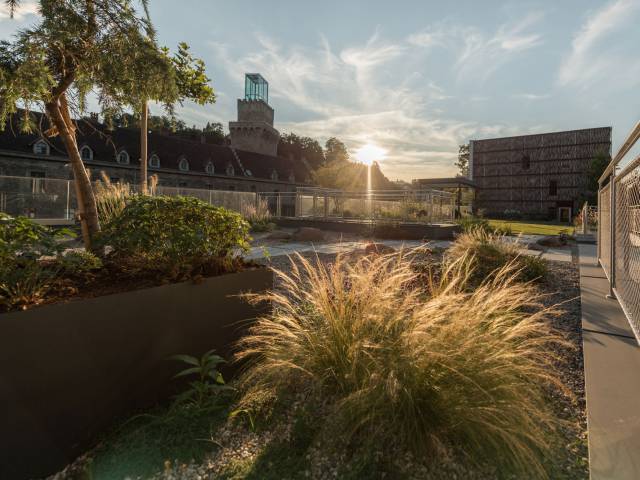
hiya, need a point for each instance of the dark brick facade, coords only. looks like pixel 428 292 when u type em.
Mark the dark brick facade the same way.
pixel 182 163
pixel 535 175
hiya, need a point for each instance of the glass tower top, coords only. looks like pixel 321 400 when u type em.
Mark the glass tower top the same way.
pixel 256 87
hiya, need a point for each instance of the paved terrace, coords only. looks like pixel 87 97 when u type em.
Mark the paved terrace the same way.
pixel 612 377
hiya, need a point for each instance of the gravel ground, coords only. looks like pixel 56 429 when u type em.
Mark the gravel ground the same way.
pixel 239 446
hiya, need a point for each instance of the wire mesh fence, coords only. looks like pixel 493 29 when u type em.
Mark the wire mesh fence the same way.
pixel 619 231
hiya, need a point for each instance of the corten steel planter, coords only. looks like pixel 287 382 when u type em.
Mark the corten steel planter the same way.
pixel 69 371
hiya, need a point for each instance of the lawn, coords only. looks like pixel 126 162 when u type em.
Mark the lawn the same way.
pixel 533 228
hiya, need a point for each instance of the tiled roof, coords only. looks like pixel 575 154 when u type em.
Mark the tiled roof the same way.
pixel 170 149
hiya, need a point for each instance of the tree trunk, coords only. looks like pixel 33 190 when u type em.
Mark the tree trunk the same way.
pixel 144 120
pixel 58 111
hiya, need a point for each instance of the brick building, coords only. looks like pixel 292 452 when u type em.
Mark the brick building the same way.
pixel 248 163
pixel 539 176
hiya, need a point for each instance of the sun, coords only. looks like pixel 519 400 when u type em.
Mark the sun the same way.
pixel 370 153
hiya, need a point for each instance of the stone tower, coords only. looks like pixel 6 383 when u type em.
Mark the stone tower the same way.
pixel 254 130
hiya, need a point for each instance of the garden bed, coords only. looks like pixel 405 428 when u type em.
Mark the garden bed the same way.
pixel 246 448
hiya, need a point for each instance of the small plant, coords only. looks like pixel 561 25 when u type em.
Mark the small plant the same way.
pixel 24 285
pixel 258 215
pixel 76 262
pixel 512 214
pixel 111 198
pixel 208 383
pixel 489 252
pixel 471 223
pixel 386 361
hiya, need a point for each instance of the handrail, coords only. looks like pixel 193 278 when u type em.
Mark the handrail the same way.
pixel 632 138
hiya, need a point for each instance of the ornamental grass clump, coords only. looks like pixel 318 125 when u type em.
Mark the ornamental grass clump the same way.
pixel 430 368
pixel 488 252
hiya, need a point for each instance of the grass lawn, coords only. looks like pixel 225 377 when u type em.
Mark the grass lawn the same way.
pixel 533 228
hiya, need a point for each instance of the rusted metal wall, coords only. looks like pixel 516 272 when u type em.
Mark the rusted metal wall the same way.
pixel 516 173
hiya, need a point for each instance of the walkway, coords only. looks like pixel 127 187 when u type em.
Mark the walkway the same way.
pixel 612 377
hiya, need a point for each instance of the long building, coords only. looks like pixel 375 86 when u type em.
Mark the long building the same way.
pixel 249 162
pixel 539 176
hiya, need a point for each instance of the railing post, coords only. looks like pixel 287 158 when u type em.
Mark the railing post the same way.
pixel 278 206
pixel 68 212
pixel 612 229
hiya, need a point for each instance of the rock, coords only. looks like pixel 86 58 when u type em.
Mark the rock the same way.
pixel 279 235
pixel 308 234
pixel 551 241
pixel 378 248
pixel 535 246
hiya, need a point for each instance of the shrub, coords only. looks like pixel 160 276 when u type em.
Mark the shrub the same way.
pixel 389 364
pixel 169 232
pixel 512 214
pixel 488 252
pixel 24 280
pixel 76 262
pixel 471 223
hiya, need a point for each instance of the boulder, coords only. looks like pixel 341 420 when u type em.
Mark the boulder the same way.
pixel 552 241
pixel 378 248
pixel 308 234
pixel 279 235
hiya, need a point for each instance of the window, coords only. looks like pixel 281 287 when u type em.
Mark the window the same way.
pixel 526 162
pixel 274 175
pixel 123 157
pixel 182 184
pixel 41 148
pixel 86 153
pixel 253 188
pixel 248 173
pixel 292 178
pixel 209 186
pixel 230 170
pixel 553 188
pixel 154 161
pixel 37 184
pixel 210 169
pixel 232 187
pixel 183 165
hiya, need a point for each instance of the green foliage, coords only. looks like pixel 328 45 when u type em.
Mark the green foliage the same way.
pixel 463 160
pixel 385 361
pixel 336 151
pixel 166 232
pixel 23 279
pixel 301 147
pixel 78 262
pixel 208 383
pixel 191 79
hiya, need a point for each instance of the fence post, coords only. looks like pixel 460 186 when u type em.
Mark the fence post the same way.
pixel 68 212
pixel 612 229
pixel 278 206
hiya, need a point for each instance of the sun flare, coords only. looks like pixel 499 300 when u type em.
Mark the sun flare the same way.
pixel 370 153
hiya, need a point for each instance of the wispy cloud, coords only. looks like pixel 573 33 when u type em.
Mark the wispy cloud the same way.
pixel 598 50
pixel 531 96
pixel 349 93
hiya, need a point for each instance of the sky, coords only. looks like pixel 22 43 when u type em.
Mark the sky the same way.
pixel 413 78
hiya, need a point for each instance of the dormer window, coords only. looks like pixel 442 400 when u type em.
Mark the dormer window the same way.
pixel 230 170
pixel 123 158
pixel 154 161
pixel 86 153
pixel 41 148
pixel 274 175
pixel 248 173
pixel 210 169
pixel 183 165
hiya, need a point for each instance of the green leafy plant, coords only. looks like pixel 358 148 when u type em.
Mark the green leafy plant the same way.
pixel 24 285
pixel 76 262
pixel 208 384
pixel 170 233
pixel 386 361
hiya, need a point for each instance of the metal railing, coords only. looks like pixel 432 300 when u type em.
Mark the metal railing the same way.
pixel 425 206
pixel 48 198
pixel 619 230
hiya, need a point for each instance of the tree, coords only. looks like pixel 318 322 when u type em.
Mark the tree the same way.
pixel 302 147
pixel 191 83
pixel 335 150
pixel 83 46
pixel 463 160
pixel 594 171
